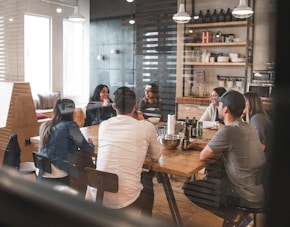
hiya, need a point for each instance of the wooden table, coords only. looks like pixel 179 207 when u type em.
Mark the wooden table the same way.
pixel 174 162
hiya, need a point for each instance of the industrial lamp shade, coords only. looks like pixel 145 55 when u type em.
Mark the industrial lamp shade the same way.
pixel 181 16
pixel 77 17
pixel 242 11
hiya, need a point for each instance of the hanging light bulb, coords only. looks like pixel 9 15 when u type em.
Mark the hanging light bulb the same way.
pixel 181 16
pixel 242 11
pixel 76 17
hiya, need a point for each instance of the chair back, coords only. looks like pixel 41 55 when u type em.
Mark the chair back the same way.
pixel 42 163
pixel 102 181
pixel 12 152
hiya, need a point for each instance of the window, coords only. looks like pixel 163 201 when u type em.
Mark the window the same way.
pixel 74 76
pixel 37 54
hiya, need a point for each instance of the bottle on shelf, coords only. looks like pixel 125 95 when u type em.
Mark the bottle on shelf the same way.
pixel 221 16
pixel 185 141
pixel 228 15
pixel 207 16
pixel 214 16
pixel 193 128
pixel 200 19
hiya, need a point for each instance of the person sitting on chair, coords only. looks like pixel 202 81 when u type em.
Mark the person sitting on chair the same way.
pixel 100 106
pixel 151 104
pixel 238 146
pixel 124 143
pixel 60 139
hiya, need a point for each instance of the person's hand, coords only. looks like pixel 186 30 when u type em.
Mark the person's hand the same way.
pixel 106 102
pixel 139 115
pixel 218 125
pixel 90 140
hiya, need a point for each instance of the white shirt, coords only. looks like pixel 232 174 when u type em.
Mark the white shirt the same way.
pixel 122 148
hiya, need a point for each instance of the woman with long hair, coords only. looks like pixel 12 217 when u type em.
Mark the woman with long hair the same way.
pixel 151 104
pixel 100 106
pixel 60 139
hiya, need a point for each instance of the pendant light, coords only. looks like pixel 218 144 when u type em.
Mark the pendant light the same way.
pixel 182 16
pixel 242 11
pixel 76 16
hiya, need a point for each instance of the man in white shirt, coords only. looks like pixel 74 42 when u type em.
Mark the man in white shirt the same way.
pixel 123 145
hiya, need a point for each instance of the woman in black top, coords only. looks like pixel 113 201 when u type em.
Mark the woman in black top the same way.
pixel 100 106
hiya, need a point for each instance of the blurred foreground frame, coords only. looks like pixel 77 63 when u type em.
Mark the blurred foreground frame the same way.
pixel 25 202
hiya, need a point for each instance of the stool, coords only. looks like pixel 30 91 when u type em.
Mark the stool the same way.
pixel 253 211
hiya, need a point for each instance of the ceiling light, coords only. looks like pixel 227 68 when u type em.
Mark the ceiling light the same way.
pixel 181 16
pixel 58 9
pixel 130 0
pixel 76 17
pixel 242 11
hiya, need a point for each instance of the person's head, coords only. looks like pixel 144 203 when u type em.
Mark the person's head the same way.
pixel 64 110
pixel 231 102
pixel 125 101
pixel 254 104
pixel 216 93
pixel 152 91
pixel 101 93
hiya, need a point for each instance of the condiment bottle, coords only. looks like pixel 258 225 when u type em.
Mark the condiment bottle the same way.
pixel 199 129
pixel 185 141
pixel 193 128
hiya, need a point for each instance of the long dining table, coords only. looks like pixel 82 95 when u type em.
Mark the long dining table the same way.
pixel 172 162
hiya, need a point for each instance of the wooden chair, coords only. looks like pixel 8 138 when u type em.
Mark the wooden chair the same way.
pixel 102 181
pixel 42 163
pixel 12 157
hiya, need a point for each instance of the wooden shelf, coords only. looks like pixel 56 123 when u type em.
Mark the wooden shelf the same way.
pixel 216 63
pixel 218 24
pixel 243 43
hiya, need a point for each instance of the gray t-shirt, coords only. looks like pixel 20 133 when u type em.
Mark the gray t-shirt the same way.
pixel 239 146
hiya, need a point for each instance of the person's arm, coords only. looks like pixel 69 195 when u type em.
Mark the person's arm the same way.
pixel 206 114
pixel 154 149
pixel 80 141
pixel 207 155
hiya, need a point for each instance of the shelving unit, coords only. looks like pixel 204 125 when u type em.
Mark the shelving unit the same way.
pixel 243 47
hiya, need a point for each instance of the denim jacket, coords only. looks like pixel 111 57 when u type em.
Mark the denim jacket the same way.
pixel 65 139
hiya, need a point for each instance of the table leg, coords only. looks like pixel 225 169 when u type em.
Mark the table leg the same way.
pixel 163 178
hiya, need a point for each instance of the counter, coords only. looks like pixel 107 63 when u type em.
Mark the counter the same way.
pixel 190 106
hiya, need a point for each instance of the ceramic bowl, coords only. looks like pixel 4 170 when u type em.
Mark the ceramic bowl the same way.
pixel 154 120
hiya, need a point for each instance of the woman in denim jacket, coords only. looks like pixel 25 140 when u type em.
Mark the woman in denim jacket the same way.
pixel 60 139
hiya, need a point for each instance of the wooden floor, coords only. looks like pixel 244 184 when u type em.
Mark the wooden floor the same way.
pixel 191 214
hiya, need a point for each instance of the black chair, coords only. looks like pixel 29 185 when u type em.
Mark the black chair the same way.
pixel 12 157
pixel 102 181
pixel 42 163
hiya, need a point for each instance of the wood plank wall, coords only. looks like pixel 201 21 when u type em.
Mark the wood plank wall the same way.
pixel 21 120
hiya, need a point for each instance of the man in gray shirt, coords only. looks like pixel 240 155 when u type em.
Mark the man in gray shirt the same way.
pixel 238 146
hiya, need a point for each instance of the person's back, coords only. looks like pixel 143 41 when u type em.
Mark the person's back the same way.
pixel 238 146
pixel 60 137
pixel 123 145
pixel 243 158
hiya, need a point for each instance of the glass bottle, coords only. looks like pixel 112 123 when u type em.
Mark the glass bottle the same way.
pixel 193 128
pixel 221 16
pixel 200 17
pixel 207 17
pixel 228 15
pixel 199 129
pixel 185 141
pixel 214 16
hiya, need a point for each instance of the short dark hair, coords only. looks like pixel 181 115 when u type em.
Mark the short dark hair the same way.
pixel 124 99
